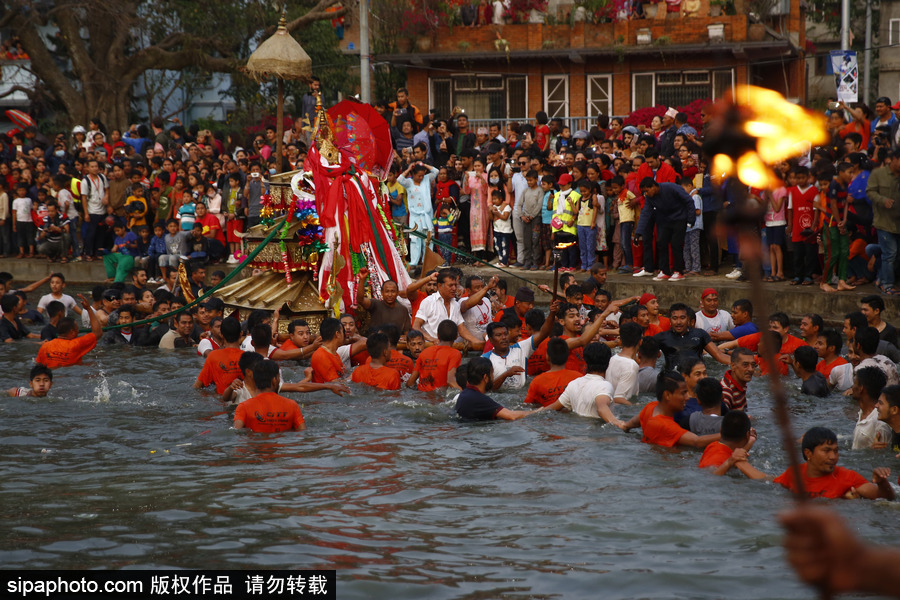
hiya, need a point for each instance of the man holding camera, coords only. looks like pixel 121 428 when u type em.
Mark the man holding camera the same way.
pixel 404 111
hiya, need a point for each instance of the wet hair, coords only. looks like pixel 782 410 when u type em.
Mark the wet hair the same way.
pixel 535 318
pixel 392 332
pixel 264 373
pixel 680 306
pixel 261 336
pixel 511 320
pixel 867 339
pixel 54 308
pixel 477 369
pixel 557 351
pixel 815 437
pixel 376 344
pixel 857 320
pixel 832 338
pixel 573 291
pixel 231 330
pixel 9 302
pixel 780 318
pixel 815 319
pixel 256 317
pixel 293 325
pixel 66 326
pixel 735 426
pixel 472 279
pixel 462 372
pixel 62 278
pixel 743 305
pixel 649 347
pixel 709 392
pixel 127 308
pixel 40 369
pixel 444 275
pixel 247 361
pixel 630 333
pixel 738 352
pixel 597 356
pixel 806 358
pixel 871 379
pixel 329 328
pixel 447 331
pixel 874 301
pixel 667 381
pixel 410 335
pixel 687 361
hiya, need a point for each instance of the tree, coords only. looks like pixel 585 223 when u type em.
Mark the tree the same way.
pixel 97 49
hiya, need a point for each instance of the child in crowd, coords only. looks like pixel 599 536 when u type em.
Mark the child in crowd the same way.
pixel 235 212
pixel 443 225
pixel 801 225
pixel 776 222
pixel 692 237
pixel 708 419
pixel 586 223
pixel 625 204
pixel 40 382
pixel 503 229
pixel 547 183
pixel 22 222
pixel 136 208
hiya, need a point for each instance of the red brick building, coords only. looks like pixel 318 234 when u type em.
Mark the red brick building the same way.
pixel 586 69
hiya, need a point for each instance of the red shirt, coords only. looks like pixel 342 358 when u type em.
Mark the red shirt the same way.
pixel 659 430
pixel 538 363
pixel 833 485
pixel 714 455
pixel 434 365
pixel 399 361
pixel 385 378
pixel 546 388
pixel 212 221
pixel 65 353
pixel 825 369
pixel 269 413
pixel 802 204
pixel 751 342
pixel 326 366
pixel 221 368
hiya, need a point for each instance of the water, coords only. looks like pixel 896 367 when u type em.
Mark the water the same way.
pixel 127 467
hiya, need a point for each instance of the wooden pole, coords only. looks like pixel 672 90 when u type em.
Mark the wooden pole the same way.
pixel 279 127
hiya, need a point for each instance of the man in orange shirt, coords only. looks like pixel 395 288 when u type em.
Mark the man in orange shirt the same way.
pixel 221 366
pixel 576 336
pixel 822 478
pixel 658 323
pixel 737 439
pixel 546 388
pixel 436 366
pixel 68 349
pixel 828 345
pixel 267 412
pixel 375 372
pixel 332 360
pixel 780 324
pixel 399 361
pixel 656 419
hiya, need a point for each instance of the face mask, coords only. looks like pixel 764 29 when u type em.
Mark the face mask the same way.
pixel 271 171
pixel 495 180
pixel 60 153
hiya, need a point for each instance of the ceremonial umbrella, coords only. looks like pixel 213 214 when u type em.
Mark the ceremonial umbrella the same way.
pixel 281 57
pixel 22 119
pixel 363 135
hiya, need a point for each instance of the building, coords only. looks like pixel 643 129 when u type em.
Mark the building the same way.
pixel 587 69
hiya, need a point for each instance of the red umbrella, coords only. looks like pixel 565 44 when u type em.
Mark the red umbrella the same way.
pixel 362 135
pixel 22 119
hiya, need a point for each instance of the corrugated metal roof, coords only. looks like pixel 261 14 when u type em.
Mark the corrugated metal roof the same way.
pixel 270 291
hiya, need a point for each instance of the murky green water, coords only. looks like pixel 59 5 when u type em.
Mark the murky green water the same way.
pixel 126 466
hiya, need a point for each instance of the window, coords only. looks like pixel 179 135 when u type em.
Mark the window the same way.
pixel 599 100
pixel 556 95
pixel 481 96
pixel 894 32
pixel 678 88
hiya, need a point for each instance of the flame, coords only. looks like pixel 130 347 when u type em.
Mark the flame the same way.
pixel 778 125
pixel 752 171
pixel 564 246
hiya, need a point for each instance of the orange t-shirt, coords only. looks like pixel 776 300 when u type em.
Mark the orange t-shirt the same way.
pixel 751 342
pixel 546 388
pixel 360 358
pixel 269 413
pixel 221 367
pixel 715 454
pixel 434 365
pixel 834 485
pixel 65 353
pixel 385 378
pixel 399 361
pixel 660 429
pixel 825 370
pixel 664 325
pixel 326 366
pixel 288 345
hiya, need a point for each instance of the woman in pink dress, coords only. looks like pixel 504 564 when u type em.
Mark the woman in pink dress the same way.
pixel 480 228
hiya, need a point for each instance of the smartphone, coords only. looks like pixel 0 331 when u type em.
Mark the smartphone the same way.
pixel 19 148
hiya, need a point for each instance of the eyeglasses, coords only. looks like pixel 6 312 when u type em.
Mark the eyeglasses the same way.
pixel 523 164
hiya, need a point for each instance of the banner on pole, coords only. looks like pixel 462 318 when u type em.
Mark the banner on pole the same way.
pixel 846 75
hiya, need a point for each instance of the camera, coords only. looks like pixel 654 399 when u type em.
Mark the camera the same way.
pixel 834 105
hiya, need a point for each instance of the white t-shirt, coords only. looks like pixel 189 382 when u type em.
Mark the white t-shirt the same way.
pixel 206 344
pixel 580 395
pixel 516 357
pixel 869 430
pixel 67 300
pixel 22 206
pixel 66 203
pixel 883 363
pixel 247 346
pixel 478 318
pixel 432 311
pixel 720 323
pixel 622 375
pixel 841 377
pixel 501 226
pixel 93 189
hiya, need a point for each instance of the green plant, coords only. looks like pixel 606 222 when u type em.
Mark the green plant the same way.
pixel 551 20
pixel 663 40
pixel 463 45
pixel 548 44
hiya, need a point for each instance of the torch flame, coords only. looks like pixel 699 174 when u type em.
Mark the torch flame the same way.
pixel 564 246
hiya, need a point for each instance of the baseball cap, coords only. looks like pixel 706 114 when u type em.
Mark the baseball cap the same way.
pixel 564 179
pixel 896 106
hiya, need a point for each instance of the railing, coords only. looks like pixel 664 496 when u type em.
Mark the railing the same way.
pixel 573 123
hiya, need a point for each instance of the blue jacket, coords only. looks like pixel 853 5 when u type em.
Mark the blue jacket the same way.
pixel 157 246
pixel 670 204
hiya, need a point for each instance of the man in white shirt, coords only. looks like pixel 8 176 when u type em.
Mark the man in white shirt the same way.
pixel 95 199
pixel 591 395
pixel 865 344
pixel 622 371
pixel 709 318
pixel 868 383
pixel 475 307
pixel 508 359
pixel 443 305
